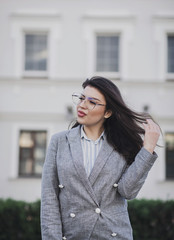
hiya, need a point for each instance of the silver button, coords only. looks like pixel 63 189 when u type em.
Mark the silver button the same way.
pixel 72 215
pixel 61 186
pixel 114 234
pixel 97 210
pixel 115 185
pixel 64 238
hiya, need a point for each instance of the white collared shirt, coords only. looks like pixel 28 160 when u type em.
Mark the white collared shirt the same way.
pixel 90 149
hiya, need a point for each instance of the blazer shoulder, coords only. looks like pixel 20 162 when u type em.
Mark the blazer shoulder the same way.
pixel 64 134
pixel 59 135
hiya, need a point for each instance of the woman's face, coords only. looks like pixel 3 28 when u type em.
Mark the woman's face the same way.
pixel 96 116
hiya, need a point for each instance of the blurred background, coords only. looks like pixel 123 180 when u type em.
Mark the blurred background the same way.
pixel 48 48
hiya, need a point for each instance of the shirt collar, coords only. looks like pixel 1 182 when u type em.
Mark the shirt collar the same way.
pixel 83 135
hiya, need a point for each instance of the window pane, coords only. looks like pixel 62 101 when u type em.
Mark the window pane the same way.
pixel 35 52
pixel 32 146
pixel 171 54
pixel 169 155
pixel 107 56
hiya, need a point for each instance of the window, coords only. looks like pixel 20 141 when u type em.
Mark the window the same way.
pixel 169 155
pixel 36 52
pixel 32 148
pixel 170 44
pixel 107 53
pixel 108 37
pixel 38 24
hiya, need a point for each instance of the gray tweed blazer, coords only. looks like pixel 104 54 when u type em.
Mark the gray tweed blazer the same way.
pixel 77 207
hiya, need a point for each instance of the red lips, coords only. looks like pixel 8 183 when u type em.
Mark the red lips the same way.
pixel 81 114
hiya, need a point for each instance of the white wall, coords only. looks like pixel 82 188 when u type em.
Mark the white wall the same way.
pixel 41 103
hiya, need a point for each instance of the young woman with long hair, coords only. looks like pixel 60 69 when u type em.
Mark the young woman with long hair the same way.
pixel 93 168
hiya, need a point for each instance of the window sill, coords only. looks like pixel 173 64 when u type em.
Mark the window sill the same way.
pixel 166 181
pixel 110 75
pixel 32 78
pixel 18 178
pixel 170 77
pixel 35 74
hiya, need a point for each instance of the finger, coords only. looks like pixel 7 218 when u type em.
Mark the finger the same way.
pixel 145 126
pixel 151 124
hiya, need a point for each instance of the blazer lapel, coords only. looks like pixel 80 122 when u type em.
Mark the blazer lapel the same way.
pixel 101 160
pixel 77 157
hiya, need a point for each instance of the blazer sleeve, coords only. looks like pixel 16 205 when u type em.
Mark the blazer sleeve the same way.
pixel 51 226
pixel 135 175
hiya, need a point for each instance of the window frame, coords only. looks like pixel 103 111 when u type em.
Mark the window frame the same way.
pixel 162 27
pixel 37 21
pixel 170 75
pixel 166 177
pixel 112 74
pixel 15 134
pixel 34 73
pixel 31 175
pixel 110 22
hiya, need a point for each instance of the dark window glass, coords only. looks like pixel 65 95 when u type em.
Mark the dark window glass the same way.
pixel 32 148
pixel 169 155
pixel 107 56
pixel 35 52
pixel 170 54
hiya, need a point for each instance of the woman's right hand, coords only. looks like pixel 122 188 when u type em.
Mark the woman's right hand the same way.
pixel 152 133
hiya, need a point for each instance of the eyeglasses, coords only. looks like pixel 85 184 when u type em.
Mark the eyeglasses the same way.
pixel 90 102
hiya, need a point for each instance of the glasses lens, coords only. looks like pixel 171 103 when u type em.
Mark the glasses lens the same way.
pixel 76 98
pixel 90 103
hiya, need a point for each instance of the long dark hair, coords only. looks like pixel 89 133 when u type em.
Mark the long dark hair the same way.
pixel 123 128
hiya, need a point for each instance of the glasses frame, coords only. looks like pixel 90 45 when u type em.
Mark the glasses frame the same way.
pixel 85 97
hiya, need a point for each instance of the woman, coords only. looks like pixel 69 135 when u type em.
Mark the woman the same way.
pixel 91 169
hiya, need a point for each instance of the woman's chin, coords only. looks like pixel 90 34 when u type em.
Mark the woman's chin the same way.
pixel 80 120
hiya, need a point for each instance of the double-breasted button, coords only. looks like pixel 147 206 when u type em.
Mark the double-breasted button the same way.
pixel 72 215
pixel 97 210
pixel 61 186
pixel 64 238
pixel 115 185
pixel 114 234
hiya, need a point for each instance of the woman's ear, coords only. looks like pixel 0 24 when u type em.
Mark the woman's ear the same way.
pixel 108 113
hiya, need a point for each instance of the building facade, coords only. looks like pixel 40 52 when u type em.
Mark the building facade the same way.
pixel 48 48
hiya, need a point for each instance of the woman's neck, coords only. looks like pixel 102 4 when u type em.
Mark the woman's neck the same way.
pixel 94 132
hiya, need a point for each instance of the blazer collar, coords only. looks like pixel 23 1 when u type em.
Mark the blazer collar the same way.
pixel 100 161
pixel 74 139
pixel 77 158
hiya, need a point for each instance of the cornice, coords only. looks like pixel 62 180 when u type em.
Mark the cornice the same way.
pixel 108 15
pixel 35 14
pixel 163 16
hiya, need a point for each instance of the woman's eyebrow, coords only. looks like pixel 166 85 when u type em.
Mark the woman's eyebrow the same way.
pixel 94 98
pixel 91 97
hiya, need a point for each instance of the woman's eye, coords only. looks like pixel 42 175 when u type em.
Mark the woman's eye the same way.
pixel 81 98
pixel 93 102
